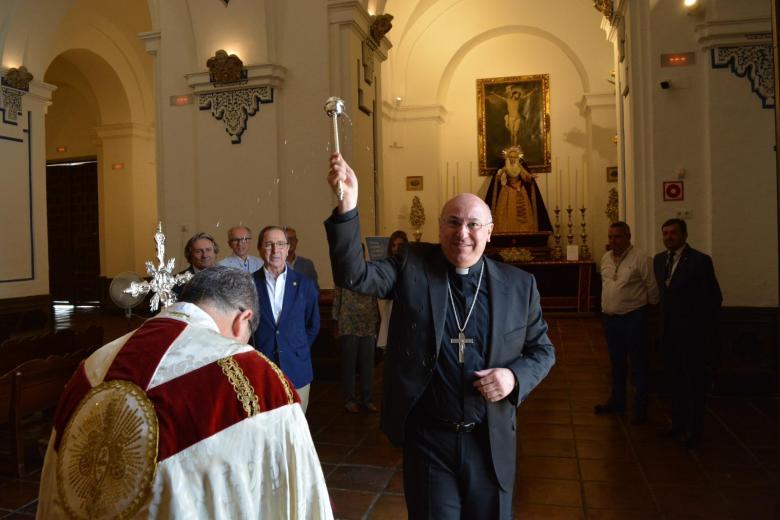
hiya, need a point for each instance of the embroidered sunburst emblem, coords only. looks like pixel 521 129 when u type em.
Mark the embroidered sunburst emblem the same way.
pixel 108 453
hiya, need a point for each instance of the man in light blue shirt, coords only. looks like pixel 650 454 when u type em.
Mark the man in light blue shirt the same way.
pixel 289 313
pixel 239 238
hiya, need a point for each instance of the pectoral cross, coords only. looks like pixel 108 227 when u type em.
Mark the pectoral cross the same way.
pixel 461 340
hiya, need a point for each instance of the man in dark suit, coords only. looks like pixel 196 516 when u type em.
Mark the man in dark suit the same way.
pixel 289 312
pixel 301 264
pixel 690 306
pixel 201 252
pixel 467 345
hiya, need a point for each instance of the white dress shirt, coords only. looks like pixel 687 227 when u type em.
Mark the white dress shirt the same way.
pixel 275 288
pixel 250 265
pixel 632 288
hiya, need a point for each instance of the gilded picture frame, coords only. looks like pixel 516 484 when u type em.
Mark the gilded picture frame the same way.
pixel 511 111
pixel 414 183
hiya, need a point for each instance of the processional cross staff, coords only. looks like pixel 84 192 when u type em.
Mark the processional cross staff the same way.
pixel 163 280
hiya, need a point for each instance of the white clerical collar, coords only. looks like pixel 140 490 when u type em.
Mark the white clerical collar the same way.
pixel 190 313
pixel 463 271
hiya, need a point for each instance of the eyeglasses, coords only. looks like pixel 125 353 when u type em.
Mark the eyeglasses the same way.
pixel 278 245
pixel 472 225
pixel 241 239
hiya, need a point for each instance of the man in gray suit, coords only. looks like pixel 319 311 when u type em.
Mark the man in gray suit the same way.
pixel 299 263
pixel 467 345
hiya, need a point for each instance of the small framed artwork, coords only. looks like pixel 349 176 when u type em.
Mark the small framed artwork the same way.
pixel 414 183
pixel 673 191
pixel 612 173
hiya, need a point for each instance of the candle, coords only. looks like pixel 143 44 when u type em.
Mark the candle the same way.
pixel 587 190
pixel 576 185
pixel 568 175
pixel 447 182
pixel 547 186
pixel 584 183
pixel 552 172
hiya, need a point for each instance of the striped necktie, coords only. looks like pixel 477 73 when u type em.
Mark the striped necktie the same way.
pixel 669 266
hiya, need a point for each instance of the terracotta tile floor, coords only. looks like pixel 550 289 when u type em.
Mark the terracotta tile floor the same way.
pixel 571 464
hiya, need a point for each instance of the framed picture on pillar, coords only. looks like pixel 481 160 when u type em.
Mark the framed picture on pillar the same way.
pixel 513 111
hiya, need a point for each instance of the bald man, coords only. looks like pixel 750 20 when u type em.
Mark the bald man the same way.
pixel 467 345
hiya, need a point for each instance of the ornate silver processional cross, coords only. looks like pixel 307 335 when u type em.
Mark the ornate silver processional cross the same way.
pixel 163 279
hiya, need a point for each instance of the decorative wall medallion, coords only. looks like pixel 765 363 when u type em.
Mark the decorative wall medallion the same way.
pixel 234 107
pixel 380 25
pixel 753 62
pixel 226 69
pixel 18 78
pixel 605 7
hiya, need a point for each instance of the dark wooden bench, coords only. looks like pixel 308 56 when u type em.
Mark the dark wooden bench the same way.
pixel 36 387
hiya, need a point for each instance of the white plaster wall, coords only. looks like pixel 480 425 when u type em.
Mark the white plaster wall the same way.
pixel 176 157
pixel 711 124
pixel 239 28
pixel 71 122
pixel 679 125
pixel 744 191
pixel 303 131
pixel 21 164
pixel 412 148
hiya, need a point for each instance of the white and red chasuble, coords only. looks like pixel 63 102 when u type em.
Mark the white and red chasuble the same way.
pixel 174 420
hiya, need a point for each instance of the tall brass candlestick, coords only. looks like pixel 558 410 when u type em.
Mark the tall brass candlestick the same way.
pixel 570 225
pixel 584 249
pixel 557 252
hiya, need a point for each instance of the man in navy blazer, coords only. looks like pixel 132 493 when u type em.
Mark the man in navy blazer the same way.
pixel 289 312
pixel 467 345
pixel 690 307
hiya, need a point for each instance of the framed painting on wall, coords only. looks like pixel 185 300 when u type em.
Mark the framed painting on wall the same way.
pixel 414 183
pixel 513 111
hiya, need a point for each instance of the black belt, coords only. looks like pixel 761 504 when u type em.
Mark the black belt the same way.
pixel 452 426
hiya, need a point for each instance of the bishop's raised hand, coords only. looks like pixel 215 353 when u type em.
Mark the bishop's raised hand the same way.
pixel 340 171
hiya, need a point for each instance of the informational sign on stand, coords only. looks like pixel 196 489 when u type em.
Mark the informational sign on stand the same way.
pixel 377 247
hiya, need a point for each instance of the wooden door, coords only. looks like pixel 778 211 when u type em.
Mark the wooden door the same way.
pixel 74 250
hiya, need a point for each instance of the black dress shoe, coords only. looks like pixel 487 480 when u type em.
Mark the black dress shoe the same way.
pixel 603 409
